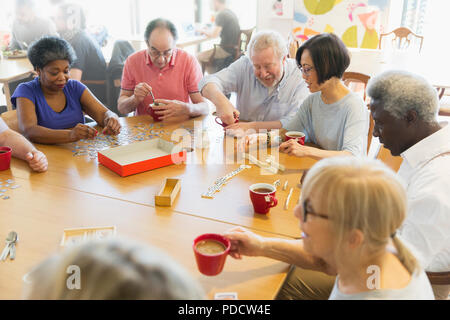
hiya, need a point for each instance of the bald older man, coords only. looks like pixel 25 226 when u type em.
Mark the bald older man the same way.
pixel 269 86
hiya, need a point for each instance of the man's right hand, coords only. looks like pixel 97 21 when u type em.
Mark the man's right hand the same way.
pixel 141 91
pixel 82 131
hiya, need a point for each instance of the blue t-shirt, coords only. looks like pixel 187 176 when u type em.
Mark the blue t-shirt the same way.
pixel 68 118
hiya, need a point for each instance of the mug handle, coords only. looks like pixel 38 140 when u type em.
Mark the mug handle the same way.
pixel 272 201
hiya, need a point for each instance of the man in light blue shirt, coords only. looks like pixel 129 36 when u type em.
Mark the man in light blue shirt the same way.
pixel 269 86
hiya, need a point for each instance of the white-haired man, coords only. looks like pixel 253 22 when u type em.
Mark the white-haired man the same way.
pixel 269 86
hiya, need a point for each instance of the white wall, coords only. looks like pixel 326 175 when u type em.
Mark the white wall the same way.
pixel 265 21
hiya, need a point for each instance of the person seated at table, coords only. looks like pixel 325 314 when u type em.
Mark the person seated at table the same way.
pixel 351 210
pixel 50 108
pixel 227 26
pixel 268 85
pixel 22 148
pixel 404 108
pixel 28 26
pixel 90 66
pixel 332 117
pixel 113 269
pixel 171 74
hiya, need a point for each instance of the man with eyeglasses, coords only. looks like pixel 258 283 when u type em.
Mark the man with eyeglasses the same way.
pixel 165 72
pixel 269 86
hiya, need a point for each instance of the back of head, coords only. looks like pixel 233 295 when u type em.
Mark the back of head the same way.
pixel 401 91
pixel 329 54
pixel 74 15
pixel 112 270
pixel 48 49
pixel 360 194
pixel 268 39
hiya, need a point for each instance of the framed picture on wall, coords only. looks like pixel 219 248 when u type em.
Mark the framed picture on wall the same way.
pixel 282 9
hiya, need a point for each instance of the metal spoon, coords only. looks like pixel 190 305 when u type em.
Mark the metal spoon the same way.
pixel 12 252
pixel 10 239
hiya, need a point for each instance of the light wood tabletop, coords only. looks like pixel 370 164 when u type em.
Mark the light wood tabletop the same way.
pixel 231 205
pixel 39 213
pixel 11 70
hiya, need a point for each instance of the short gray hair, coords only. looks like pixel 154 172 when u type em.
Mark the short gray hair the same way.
pixel 401 91
pixel 268 39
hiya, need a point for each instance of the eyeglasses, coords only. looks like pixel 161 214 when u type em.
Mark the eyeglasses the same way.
pixel 306 71
pixel 156 54
pixel 306 212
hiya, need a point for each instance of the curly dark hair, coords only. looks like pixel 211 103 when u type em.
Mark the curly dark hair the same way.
pixel 329 54
pixel 160 23
pixel 48 49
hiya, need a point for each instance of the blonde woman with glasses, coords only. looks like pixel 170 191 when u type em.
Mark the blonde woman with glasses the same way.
pixel 351 209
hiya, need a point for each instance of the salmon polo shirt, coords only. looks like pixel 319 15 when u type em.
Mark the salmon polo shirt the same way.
pixel 179 78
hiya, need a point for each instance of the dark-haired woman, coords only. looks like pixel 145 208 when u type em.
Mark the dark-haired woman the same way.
pixel 50 107
pixel 332 117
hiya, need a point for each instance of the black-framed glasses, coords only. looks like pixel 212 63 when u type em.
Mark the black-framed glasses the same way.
pixel 306 212
pixel 156 54
pixel 306 70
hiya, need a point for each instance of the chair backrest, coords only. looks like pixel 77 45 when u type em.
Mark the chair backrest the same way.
pixel 246 35
pixel 394 162
pixel 357 82
pixel 401 38
pixel 10 118
pixel 439 278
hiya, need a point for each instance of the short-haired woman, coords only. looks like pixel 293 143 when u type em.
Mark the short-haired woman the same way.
pixel 50 108
pixel 113 269
pixel 332 117
pixel 351 209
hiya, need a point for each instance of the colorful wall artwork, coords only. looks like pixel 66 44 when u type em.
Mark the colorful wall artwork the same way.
pixel 358 22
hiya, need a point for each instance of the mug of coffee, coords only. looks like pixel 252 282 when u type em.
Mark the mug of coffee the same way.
pixel 211 251
pixel 297 135
pixel 236 120
pixel 263 198
pixel 152 111
pixel 5 158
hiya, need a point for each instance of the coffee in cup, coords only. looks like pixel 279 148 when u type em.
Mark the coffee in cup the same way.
pixel 263 197
pixel 297 135
pixel 211 251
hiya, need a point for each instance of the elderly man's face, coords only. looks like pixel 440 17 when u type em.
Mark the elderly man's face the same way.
pixel 268 68
pixel 160 47
pixel 395 134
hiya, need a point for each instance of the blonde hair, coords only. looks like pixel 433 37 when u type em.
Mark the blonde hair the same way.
pixel 112 270
pixel 361 194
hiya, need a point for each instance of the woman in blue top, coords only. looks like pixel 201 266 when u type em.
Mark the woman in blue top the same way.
pixel 50 108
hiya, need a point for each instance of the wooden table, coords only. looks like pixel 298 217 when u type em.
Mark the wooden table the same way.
pixel 432 66
pixel 78 192
pixel 12 70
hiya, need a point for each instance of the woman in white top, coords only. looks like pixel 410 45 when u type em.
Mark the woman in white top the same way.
pixel 332 117
pixel 351 210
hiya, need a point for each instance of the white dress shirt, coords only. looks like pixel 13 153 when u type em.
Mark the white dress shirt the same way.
pixel 426 173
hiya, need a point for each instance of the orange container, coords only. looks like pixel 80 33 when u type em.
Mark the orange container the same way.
pixel 141 156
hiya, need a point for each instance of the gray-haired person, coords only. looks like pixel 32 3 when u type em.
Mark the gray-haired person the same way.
pixel 269 86
pixel 404 107
pixel 113 269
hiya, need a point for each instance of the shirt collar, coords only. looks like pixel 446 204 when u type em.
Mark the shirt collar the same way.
pixel 429 148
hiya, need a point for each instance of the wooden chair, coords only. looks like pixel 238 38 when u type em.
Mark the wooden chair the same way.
pixel 402 38
pixel 10 118
pixel 385 155
pixel 356 81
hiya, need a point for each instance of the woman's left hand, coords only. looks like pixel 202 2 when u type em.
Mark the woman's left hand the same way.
pixel 293 148
pixel 112 125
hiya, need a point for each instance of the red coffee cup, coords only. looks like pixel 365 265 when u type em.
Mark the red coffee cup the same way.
pixel 152 112
pixel 297 135
pixel 263 198
pixel 236 118
pixel 5 158
pixel 211 264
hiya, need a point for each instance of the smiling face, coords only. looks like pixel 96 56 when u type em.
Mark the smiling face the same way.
pixel 54 75
pixel 267 67
pixel 160 47
pixel 395 134
pixel 309 73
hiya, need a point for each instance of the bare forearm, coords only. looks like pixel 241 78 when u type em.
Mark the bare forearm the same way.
pixel 126 104
pixel 20 146
pixel 269 125
pixel 212 92
pixel 44 135
pixel 319 154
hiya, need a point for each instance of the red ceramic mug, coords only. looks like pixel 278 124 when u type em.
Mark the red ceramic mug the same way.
pixel 297 135
pixel 263 197
pixel 236 117
pixel 211 251
pixel 152 111
pixel 5 158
